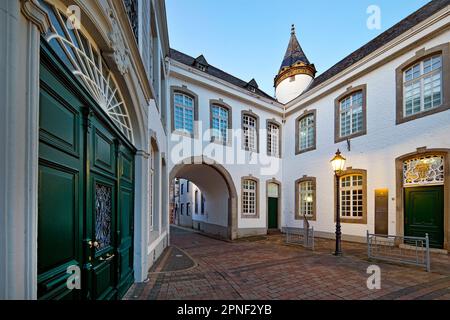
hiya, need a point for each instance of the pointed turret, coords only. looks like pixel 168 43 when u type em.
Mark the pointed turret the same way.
pixel 296 72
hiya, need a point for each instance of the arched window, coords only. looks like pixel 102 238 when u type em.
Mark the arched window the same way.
pixel 305 136
pixel 273 139
pixel 220 122
pixel 422 82
pixel 250 197
pixel 353 196
pixel 184 113
pixel 305 189
pixel 84 59
pixel 250 128
pixel 422 86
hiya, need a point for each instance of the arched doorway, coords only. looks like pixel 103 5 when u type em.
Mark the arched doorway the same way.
pixel 86 169
pixel 219 191
pixel 423 193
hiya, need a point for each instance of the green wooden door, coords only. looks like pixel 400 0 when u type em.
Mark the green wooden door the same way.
pixel 273 213
pixel 424 213
pixel 86 194
pixel 60 190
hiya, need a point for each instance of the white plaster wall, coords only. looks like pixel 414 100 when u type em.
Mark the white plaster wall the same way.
pixel 233 98
pixel 375 152
pixel 288 90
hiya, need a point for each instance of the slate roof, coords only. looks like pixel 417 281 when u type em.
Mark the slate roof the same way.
pixel 294 52
pixel 406 24
pixel 213 71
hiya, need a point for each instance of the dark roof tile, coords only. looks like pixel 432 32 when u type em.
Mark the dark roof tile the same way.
pixel 406 24
pixel 213 71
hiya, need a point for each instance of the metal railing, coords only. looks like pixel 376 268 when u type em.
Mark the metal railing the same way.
pixel 301 236
pixel 400 249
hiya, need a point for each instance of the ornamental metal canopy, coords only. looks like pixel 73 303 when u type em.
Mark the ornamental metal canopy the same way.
pixel 83 59
pixel 425 170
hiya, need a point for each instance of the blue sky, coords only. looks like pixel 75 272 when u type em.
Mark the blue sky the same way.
pixel 248 38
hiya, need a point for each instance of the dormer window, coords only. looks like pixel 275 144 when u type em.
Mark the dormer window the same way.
pixel 201 67
pixel 252 85
pixel 200 63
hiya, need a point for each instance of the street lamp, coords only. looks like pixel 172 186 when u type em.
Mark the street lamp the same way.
pixel 338 164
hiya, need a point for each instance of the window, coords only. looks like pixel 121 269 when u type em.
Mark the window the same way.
pixel 422 82
pixel 151 184
pixel 188 209
pixel 305 132
pixel 249 197
pixel 422 88
pixel 351 114
pixel 182 209
pixel 220 123
pixel 250 132
pixel 196 201
pixel 353 196
pixel 187 186
pixel 305 196
pixel 184 111
pixel 273 139
pixel 203 205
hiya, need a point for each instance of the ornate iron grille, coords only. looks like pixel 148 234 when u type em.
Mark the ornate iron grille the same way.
pixel 132 11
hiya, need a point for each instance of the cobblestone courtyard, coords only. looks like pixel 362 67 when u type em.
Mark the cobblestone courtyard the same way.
pixel 196 267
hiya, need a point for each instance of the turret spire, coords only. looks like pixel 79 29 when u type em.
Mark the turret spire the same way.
pixel 297 68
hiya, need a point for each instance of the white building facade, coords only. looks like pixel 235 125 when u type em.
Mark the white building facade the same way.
pixel 101 118
pixel 385 107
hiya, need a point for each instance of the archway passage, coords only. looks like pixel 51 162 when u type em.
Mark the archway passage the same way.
pixel 219 192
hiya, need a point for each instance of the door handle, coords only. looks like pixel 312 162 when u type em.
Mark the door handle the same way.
pixel 109 257
pixel 94 244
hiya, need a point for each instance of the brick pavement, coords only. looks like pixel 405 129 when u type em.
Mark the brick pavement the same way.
pixel 266 268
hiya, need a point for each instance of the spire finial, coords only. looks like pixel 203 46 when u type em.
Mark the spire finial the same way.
pixel 293 29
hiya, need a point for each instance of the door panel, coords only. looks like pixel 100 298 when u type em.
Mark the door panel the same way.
pixel 424 213
pixel 273 213
pixel 381 211
pixel 125 218
pixel 60 188
pixel 85 194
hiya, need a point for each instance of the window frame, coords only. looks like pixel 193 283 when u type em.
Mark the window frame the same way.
pixel 246 215
pixel 345 173
pixel 185 91
pixel 196 202
pixel 337 113
pixel 444 51
pixel 246 113
pixel 313 181
pixel 305 114
pixel 221 104
pixel 276 123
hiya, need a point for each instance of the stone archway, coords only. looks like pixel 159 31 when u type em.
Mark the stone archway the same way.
pixel 216 182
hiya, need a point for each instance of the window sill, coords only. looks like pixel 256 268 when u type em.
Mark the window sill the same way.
pixel 402 119
pixel 297 152
pixel 352 136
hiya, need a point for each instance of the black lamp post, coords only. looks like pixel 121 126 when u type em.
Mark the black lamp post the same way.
pixel 338 164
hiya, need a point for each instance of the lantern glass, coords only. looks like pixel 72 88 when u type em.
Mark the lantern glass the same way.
pixel 338 162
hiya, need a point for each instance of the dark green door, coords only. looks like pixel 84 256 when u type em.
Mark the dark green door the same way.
pixel 273 213
pixel 85 200
pixel 424 213
pixel 60 190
